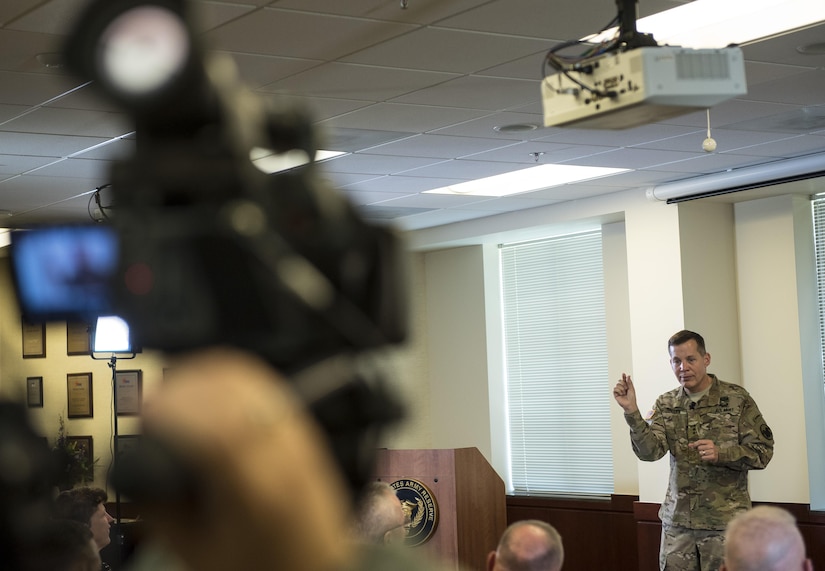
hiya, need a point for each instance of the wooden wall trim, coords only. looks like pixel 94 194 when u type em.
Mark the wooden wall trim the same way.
pixel 628 531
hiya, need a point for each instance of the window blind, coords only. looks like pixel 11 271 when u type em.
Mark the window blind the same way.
pixel 556 366
pixel 818 205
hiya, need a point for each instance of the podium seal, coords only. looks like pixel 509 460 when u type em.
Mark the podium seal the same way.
pixel 420 508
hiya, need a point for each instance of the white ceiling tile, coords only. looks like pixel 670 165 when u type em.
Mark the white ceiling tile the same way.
pixel 401 117
pixel 803 89
pixel 452 51
pixel 19 49
pixel 367 197
pixel 562 19
pixel 32 88
pixel 34 144
pixel 351 81
pixel 633 158
pixel 418 12
pixel 399 184
pixel 52 17
pixel 532 152
pixel 465 169
pixel 301 34
pixel 433 200
pixel 71 122
pixel 15 164
pixel 257 70
pixel 397 111
pixel 485 126
pixel 475 92
pixel 511 203
pixel 77 168
pixel 209 15
pixel 439 146
pixel 710 163
pixel 374 164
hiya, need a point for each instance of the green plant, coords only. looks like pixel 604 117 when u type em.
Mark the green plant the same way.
pixel 75 465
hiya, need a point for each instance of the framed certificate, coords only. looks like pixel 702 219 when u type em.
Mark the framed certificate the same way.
pixel 127 444
pixel 34 340
pixel 79 395
pixel 34 392
pixel 128 392
pixel 78 339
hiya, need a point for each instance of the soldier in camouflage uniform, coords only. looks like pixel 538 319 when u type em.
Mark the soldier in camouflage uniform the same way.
pixel 715 434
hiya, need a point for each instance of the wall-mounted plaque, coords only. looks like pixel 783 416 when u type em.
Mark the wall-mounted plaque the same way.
pixel 34 392
pixel 78 339
pixel 128 392
pixel 79 393
pixel 34 340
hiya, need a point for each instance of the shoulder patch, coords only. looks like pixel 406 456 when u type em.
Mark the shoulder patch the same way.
pixel 766 431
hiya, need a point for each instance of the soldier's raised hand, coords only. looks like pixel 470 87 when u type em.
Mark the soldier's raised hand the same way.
pixel 625 394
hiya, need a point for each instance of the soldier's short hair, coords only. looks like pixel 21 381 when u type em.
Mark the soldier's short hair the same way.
pixel 551 559
pixel 684 336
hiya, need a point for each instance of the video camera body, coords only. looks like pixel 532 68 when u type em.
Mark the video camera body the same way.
pixel 204 249
pixel 210 249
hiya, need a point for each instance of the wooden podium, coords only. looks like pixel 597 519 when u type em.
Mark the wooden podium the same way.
pixel 472 510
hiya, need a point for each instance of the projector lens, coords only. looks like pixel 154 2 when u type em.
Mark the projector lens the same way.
pixel 143 49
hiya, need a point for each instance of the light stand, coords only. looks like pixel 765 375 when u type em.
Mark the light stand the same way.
pixel 111 335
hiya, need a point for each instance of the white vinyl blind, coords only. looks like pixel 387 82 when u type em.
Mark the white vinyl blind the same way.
pixel 818 206
pixel 556 366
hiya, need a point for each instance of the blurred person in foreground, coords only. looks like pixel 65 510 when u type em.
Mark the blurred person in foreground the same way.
pixel 528 545
pixel 263 491
pixel 765 538
pixel 715 434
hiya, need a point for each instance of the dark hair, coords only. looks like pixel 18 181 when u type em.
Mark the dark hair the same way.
pixel 79 504
pixel 62 545
pixel 684 336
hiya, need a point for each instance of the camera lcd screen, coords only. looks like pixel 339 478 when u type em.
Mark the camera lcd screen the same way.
pixel 64 272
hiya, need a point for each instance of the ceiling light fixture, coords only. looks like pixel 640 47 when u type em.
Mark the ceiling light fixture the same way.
pixel 526 180
pixel 714 24
pixel 265 160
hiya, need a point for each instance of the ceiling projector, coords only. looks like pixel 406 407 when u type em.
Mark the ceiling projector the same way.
pixel 643 85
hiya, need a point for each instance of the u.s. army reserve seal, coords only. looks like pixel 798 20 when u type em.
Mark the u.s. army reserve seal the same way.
pixel 420 508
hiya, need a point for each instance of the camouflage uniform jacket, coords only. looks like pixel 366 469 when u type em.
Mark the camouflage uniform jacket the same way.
pixel 703 495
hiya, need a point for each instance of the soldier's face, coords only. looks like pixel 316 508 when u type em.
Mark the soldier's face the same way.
pixel 690 368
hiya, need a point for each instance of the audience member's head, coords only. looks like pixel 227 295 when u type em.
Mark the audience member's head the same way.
pixel 64 545
pixel 87 506
pixel 764 538
pixel 380 517
pixel 528 545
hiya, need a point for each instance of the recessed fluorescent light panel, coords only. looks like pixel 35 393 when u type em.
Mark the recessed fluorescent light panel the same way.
pixel 267 161
pixel 525 180
pixel 705 24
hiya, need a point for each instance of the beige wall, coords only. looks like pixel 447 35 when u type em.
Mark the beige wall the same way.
pixel 741 275
pixel 54 368
pixel 734 273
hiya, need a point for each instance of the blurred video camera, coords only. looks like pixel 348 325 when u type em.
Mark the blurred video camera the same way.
pixel 203 247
